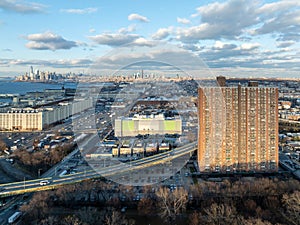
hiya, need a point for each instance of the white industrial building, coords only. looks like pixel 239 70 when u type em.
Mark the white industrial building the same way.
pixel 29 119
pixel 151 124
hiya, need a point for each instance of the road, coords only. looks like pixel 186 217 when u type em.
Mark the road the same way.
pixel 119 169
pixel 22 187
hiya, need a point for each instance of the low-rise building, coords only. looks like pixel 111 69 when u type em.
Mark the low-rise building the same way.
pixel 147 124
pixel 29 119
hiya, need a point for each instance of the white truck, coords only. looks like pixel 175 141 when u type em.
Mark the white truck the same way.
pixel 14 217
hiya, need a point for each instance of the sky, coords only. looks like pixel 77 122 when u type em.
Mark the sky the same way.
pixel 236 38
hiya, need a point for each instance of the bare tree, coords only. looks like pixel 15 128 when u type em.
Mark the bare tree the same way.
pixel 221 214
pixel 170 203
pixel 292 207
pixel 3 145
pixel 114 218
pixel 146 206
pixel 71 220
pixel 51 220
pixel 250 206
pixel 91 215
pixel 255 221
pixel 38 207
pixel 194 219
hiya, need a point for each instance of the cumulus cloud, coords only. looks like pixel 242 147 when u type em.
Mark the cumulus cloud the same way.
pixel 122 37
pixel 183 20
pixel 221 20
pixel 223 54
pixel 276 7
pixel 162 33
pixel 191 47
pixel 221 45
pixel 48 41
pixel 114 39
pixel 20 6
pixel 143 42
pixel 126 30
pixel 159 58
pixel 80 11
pixel 285 25
pixel 138 17
pixel 249 46
pixel 280 19
pixel 240 19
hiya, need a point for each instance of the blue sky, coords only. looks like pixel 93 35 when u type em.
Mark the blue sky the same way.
pixel 235 37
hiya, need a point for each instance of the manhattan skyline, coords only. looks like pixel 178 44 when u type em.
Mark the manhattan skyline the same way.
pixel 237 38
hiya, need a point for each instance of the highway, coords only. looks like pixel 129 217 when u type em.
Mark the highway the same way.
pixel 26 186
pixel 118 169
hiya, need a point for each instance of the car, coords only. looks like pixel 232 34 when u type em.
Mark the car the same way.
pixel 44 182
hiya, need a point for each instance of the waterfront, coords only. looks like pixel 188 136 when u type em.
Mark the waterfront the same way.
pixel 12 87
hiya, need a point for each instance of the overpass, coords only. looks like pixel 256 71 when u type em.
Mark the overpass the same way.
pixel 26 186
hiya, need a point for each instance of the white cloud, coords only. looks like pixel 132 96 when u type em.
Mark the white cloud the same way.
pixel 20 6
pixel 80 11
pixel 114 39
pixel 48 41
pixel 138 17
pixel 221 20
pixel 286 25
pixel 183 20
pixel 221 45
pixel 261 61
pixel 276 7
pixel 285 44
pixel 126 30
pixel 143 42
pixel 162 33
pixel 162 57
pixel 240 19
pixel 122 37
pixel 191 47
pixel 249 46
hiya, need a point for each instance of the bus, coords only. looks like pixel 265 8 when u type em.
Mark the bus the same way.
pixel 14 217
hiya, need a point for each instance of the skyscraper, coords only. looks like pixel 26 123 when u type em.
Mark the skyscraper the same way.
pixel 238 128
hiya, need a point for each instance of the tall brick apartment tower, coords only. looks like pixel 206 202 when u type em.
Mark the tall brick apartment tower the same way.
pixel 238 128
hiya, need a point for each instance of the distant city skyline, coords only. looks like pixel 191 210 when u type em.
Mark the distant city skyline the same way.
pixel 236 38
